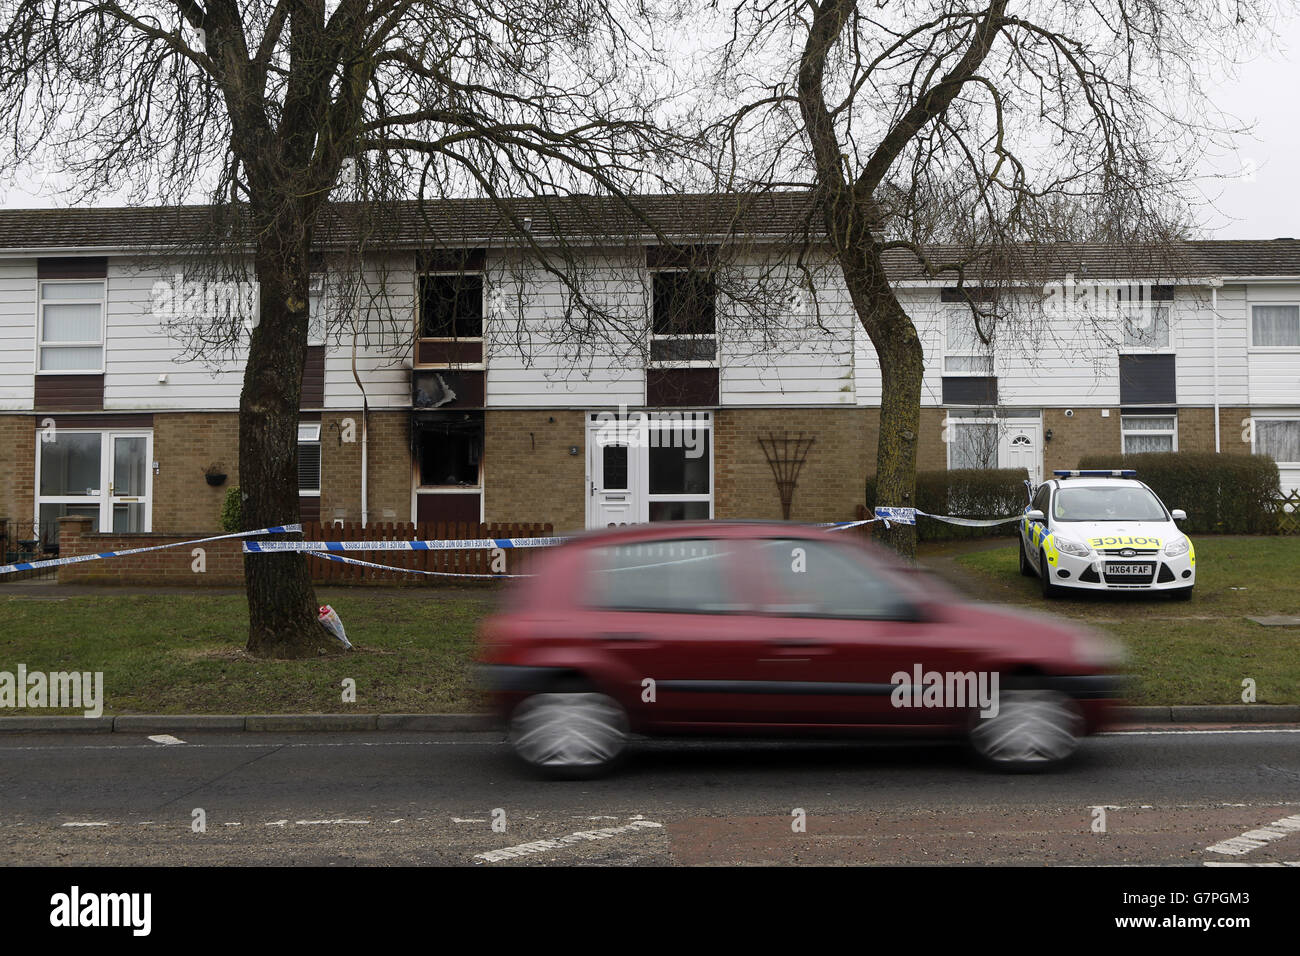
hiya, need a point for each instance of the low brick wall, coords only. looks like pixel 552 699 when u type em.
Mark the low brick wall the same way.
pixel 223 560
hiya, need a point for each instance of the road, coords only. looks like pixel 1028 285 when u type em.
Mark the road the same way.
pixel 334 799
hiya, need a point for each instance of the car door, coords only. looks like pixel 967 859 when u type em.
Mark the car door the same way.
pixel 1033 532
pixel 671 615
pixel 833 635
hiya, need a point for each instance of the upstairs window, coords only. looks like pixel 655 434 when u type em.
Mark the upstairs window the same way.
pixel 451 305
pixel 71 326
pixel 964 353
pixel 1275 326
pixel 316 309
pixel 1144 312
pixel 684 317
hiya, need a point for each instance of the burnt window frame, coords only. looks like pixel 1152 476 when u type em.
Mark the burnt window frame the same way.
pixel 709 275
pixel 479 274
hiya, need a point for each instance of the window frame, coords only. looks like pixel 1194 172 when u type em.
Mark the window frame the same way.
pixel 698 420
pixel 41 344
pixel 954 311
pixel 419 305
pixel 1124 431
pixel 320 309
pixel 981 420
pixel 1250 328
pixel 1254 434
pixel 309 434
pixel 104 500
pixel 652 272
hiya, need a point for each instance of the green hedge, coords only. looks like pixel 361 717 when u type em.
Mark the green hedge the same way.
pixel 1228 494
pixel 964 493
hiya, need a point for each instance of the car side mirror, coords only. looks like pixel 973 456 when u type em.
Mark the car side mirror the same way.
pixel 1178 514
pixel 1035 515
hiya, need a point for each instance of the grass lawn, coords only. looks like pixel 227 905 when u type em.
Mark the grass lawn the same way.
pixel 183 653
pixel 1187 652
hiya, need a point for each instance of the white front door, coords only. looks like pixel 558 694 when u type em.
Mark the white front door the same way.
pixel 100 474
pixel 1020 445
pixel 615 476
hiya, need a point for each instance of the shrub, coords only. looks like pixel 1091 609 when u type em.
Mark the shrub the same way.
pixel 232 512
pixel 964 493
pixel 1227 494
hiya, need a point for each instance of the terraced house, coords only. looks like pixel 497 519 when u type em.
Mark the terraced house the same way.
pixel 659 374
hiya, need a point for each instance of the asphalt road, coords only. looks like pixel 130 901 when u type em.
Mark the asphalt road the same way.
pixel 334 799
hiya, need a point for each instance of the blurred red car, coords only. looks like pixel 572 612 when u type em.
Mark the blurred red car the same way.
pixel 776 629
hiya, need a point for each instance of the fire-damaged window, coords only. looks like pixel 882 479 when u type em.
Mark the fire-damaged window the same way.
pixel 451 305
pixel 684 316
pixel 448 448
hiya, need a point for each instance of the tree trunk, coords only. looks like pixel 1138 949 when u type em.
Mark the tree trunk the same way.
pixel 902 365
pixel 282 608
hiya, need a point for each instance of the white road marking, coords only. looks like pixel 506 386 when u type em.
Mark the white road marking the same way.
pixel 87 824
pixel 317 823
pixel 1235 863
pixel 1254 839
pixel 542 846
pixel 275 823
pixel 166 739
pixel 459 820
pixel 1162 733
pixel 232 824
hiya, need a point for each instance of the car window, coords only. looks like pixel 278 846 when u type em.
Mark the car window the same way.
pixel 1040 499
pixel 1107 503
pixel 681 576
pixel 819 579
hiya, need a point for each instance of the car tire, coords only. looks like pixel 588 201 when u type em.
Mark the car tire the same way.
pixel 1181 594
pixel 1032 732
pixel 1050 590
pixel 569 735
pixel 1026 568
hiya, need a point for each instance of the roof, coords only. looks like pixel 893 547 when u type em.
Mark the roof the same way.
pixel 450 223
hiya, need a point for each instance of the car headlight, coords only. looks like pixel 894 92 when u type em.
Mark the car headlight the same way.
pixel 1072 547
pixel 1179 546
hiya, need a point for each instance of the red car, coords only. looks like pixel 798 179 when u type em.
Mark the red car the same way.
pixel 776 629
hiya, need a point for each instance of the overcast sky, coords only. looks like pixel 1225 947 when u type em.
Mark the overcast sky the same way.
pixel 1259 198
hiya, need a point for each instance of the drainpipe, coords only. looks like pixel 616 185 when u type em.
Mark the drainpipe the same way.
pixel 1215 283
pixel 365 418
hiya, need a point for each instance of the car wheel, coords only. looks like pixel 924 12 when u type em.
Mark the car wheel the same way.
pixel 1026 568
pixel 1033 731
pixel 1181 594
pixel 1050 590
pixel 569 735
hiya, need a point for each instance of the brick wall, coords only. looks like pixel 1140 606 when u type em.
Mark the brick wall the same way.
pixel 388 467
pixel 530 475
pixel 224 560
pixel 832 482
pixel 184 445
pixel 17 468
pixel 1087 433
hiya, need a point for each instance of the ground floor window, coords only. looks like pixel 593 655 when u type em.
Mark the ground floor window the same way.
pixel 998 437
pixel 1279 438
pixel 1147 433
pixel 104 475
pixel 649 466
pixel 447 448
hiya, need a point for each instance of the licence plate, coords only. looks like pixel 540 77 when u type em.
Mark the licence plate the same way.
pixel 1133 569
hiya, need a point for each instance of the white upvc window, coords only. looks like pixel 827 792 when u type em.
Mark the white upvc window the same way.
pixel 317 303
pixel 973 443
pixel 964 353
pixel 1279 438
pixel 1145 433
pixel 1275 326
pixel 1146 327
pixel 683 318
pixel 309 458
pixel 70 326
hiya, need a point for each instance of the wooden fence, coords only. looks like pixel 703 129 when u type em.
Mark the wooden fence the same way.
pixel 1288 513
pixel 477 561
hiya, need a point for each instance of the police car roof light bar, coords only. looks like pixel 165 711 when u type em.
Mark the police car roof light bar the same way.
pixel 1096 473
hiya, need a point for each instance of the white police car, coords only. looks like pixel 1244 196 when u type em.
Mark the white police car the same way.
pixel 1104 531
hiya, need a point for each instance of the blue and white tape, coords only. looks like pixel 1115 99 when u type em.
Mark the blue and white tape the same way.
pixel 101 555
pixel 387 567
pixel 463 544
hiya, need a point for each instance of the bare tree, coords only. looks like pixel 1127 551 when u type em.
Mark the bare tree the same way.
pixel 975 143
pixel 272 108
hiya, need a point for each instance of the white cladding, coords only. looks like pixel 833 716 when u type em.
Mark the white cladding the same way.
pixel 17 333
pixel 542 351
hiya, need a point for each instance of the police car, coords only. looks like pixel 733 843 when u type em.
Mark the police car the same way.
pixel 1104 531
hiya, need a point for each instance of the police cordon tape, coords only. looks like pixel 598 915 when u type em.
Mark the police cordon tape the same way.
pixel 101 555
pixel 319 548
